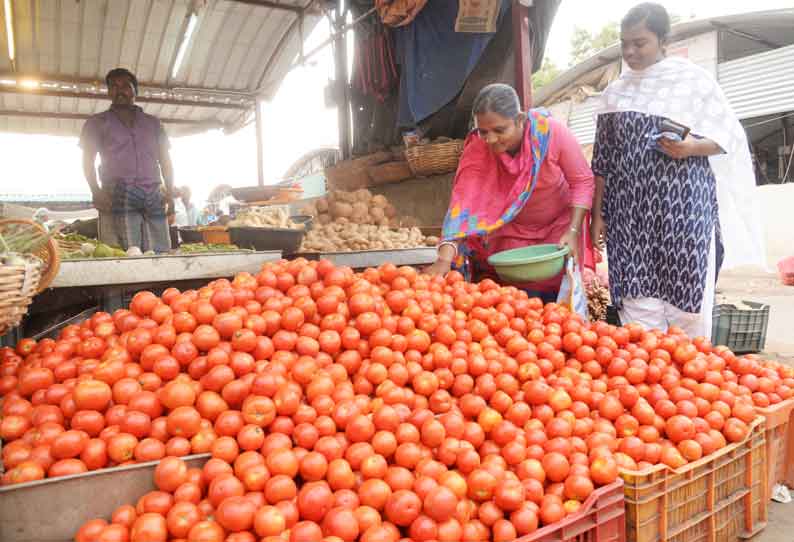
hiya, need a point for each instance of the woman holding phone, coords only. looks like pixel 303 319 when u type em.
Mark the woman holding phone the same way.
pixel 670 158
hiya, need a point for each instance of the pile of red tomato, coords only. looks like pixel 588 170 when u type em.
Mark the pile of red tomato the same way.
pixel 375 407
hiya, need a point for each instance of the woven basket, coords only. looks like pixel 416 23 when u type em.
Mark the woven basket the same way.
pixel 434 158
pixel 48 253
pixel 390 172
pixel 18 285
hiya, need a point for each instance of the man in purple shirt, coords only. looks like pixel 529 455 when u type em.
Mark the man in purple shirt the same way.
pixel 132 202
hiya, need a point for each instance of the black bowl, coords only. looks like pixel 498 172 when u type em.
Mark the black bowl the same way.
pixel 286 240
pixel 191 235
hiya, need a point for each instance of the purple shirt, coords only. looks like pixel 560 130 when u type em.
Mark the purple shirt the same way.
pixel 131 153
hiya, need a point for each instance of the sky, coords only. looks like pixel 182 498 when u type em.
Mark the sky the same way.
pixel 296 121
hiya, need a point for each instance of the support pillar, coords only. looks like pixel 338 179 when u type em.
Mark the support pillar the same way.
pixel 522 51
pixel 342 87
pixel 260 159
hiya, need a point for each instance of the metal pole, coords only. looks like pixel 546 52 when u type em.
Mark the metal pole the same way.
pixel 342 91
pixel 522 51
pixel 260 159
pixel 334 37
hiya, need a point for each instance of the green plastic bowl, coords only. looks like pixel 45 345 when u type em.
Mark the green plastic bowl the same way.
pixel 529 264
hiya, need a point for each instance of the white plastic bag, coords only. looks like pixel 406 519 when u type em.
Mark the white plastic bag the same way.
pixel 780 493
pixel 572 292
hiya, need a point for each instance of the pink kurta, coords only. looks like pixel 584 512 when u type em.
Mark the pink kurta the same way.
pixel 564 181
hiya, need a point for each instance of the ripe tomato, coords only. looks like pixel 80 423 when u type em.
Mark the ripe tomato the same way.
pixel 236 513
pixel 92 395
pixel 403 507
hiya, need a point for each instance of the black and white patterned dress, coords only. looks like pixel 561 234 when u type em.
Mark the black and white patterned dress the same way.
pixel 661 214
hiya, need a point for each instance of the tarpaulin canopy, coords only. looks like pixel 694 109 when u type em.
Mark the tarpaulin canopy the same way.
pixel 435 60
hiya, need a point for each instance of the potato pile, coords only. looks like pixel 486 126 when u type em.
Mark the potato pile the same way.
pixel 359 207
pixel 350 221
pixel 343 237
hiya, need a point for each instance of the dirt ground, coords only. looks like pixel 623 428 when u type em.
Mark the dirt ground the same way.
pixel 766 288
pixel 780 524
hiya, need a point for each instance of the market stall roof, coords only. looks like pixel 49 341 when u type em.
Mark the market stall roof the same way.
pixel 750 32
pixel 200 63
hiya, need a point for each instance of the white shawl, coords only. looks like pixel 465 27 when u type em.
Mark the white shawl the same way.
pixel 680 90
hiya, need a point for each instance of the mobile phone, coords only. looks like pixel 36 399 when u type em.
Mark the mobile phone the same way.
pixel 675 128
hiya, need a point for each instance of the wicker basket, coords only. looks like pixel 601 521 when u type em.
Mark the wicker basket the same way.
pixel 18 285
pixel 390 172
pixel 434 158
pixel 48 253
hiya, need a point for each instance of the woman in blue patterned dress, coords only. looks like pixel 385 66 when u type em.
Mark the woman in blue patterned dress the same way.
pixel 656 200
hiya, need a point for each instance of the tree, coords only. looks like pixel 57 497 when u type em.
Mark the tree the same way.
pixel 584 44
pixel 546 74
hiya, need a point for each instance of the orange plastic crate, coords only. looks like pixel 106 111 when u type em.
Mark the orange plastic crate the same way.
pixel 600 519
pixel 722 497
pixel 216 235
pixel 779 443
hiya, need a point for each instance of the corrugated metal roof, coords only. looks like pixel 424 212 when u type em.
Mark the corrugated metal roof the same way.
pixel 582 121
pixel 238 50
pixel 760 84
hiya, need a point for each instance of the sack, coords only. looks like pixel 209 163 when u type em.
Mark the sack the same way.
pixel 477 16
pixel 572 294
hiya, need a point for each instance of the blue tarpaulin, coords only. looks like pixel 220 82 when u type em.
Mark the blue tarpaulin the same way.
pixel 435 60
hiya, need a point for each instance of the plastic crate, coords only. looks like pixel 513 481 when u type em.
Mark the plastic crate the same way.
pixel 741 330
pixel 600 519
pixel 721 497
pixel 216 235
pixel 779 443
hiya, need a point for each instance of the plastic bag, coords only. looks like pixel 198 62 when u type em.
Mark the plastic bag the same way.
pixel 780 493
pixel 572 292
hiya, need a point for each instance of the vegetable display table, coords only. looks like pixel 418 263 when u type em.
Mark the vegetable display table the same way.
pixel 146 269
pixel 373 258
pixel 106 284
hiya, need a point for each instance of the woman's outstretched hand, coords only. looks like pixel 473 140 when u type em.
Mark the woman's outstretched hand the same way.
pixel 440 267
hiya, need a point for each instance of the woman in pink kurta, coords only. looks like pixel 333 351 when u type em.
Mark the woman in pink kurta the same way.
pixel 522 180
